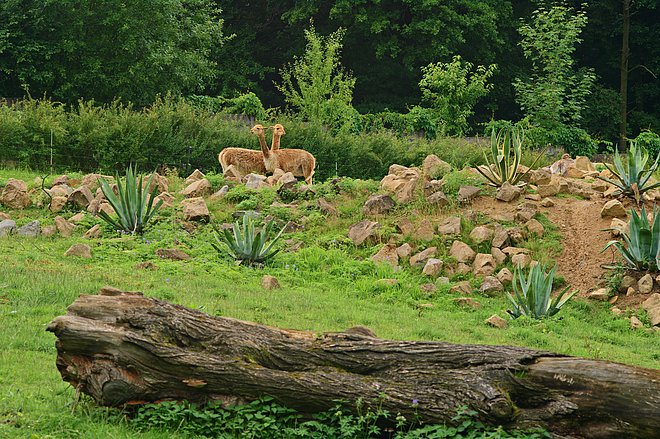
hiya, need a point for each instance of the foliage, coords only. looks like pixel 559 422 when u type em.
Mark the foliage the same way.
pixel 133 204
pixel 650 141
pixel 506 151
pixel 107 50
pixel 453 89
pixel 575 141
pixel 247 104
pixel 532 296
pixel 246 244
pixel 642 242
pixel 416 120
pixel 555 94
pixel 317 85
pixel 632 176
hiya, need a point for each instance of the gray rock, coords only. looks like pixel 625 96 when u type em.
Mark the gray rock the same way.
pixel 439 199
pixel 467 193
pixel 433 267
pixel 378 205
pixel 491 285
pixel 30 230
pixel 7 227
pixel 645 284
pixel 419 259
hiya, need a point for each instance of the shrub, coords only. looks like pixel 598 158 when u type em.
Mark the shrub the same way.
pixel 642 242
pixel 247 245
pixel 650 141
pixel 532 296
pixel 575 141
pixel 632 176
pixel 133 204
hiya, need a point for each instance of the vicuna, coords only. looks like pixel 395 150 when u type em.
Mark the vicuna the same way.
pixel 244 160
pixel 297 161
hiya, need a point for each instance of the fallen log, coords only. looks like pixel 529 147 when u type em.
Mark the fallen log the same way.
pixel 123 348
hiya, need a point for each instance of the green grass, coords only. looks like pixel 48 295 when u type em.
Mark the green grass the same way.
pixel 329 285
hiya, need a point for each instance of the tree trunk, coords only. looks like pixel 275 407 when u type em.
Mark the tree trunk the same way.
pixel 123 348
pixel 625 54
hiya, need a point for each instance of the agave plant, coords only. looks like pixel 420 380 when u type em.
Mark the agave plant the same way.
pixel 246 244
pixel 642 242
pixel 133 203
pixel 532 295
pixel 506 151
pixel 632 176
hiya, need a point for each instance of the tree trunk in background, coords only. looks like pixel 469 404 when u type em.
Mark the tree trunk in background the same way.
pixel 625 54
pixel 123 348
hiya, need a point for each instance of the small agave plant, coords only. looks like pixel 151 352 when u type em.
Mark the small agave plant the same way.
pixel 247 244
pixel 642 242
pixel 632 175
pixel 532 296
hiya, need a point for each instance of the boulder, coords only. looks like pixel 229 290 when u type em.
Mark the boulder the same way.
pixel 491 285
pixel 219 194
pixel 419 259
pixel 255 181
pixel 463 287
pixel 157 181
pixel 534 227
pixel 450 226
pixel 521 260
pixel 195 176
pixel 526 211
pixel 79 250
pixel 635 323
pixel 63 226
pixel 232 173
pixel 584 164
pixel 467 193
pixel 613 208
pixel 405 226
pixel 327 208
pixel 7 227
pixel 547 202
pixel 462 252
pixel 499 255
pixel 401 182
pixel 81 197
pixel 539 176
pixel 62 179
pixel 166 198
pixel 433 186
pixel 645 284
pixel 378 205
pixel 57 204
pixel 505 276
pixel 652 307
pixel 550 189
pixel 198 188
pixel 194 209
pixel 404 251
pixel 496 321
pixel 467 302
pixel 92 181
pixel 500 238
pixel 270 283
pixel 364 231
pixel 387 254
pixel 48 231
pixel 627 282
pixel 30 230
pixel 433 267
pixel 438 199
pixel 434 168
pixel 172 253
pixel 484 264
pixel 601 294
pixel 600 186
pixel 507 192
pixel 481 234
pixel 15 195
pixel 61 190
pixel 93 233
pixel 424 231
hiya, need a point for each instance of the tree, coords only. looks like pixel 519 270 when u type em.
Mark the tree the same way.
pixel 105 49
pixel 555 94
pixel 452 89
pixel 316 84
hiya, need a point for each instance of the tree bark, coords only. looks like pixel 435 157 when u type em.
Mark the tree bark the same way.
pixel 625 54
pixel 123 348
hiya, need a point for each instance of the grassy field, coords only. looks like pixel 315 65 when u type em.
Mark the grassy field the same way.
pixel 328 285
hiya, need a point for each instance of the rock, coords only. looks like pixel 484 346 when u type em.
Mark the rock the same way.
pixel 81 197
pixel 450 226
pixel 255 181
pixel 172 253
pixel 147 265
pixel 15 195
pixel 270 283
pixel 57 204
pixel 525 212
pixel 434 168
pixel 574 173
pixel 433 186
pixel 195 176
pixel 327 208
pixel 500 238
pixel 105 207
pixel 507 192
pixel 635 323
pixel 62 179
pixel 484 264
pixel 92 181
pixel 442 280
pixel 601 294
pixel 491 285
pixel 613 208
pixel 645 284
pixel 7 227
pixel 232 173
pixel 404 251
pixel 496 321
pixel 93 233
pixel 439 199
pixel 30 230
pixel 547 202
pixel 549 190
pixel 198 188
pixel 616 311
pixel 613 299
pixel 467 193
pixel 219 194
pixel 401 182
pixel 467 302
pixel 428 289
pixel 166 198
pixel 618 226
pixel 286 179
pixel 539 176
pixel 388 283
pixel 481 234
pixel 521 260
pixel 387 254
pixel 600 186
pixel 630 291
pixel 463 287
pixel 425 231
pixel 419 259
pixel 462 268
pixel 462 252
pixel 364 231
pixel 627 282
pixel 505 276
pixel 499 255
pixel 194 209
pixel 405 226
pixel 80 250
pixel 63 226
pixel 79 217
pixel 378 205
pixel 433 267
pixel 652 307
pixel 534 227
pixel 533 197
pixel 511 251
pixel 4 216
pixel 61 190
pixel 584 164
pixel 48 231
pixel 157 181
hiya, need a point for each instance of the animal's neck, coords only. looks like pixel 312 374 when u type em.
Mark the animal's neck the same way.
pixel 275 144
pixel 264 147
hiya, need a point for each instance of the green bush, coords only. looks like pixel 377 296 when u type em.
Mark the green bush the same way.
pixel 574 141
pixel 650 141
pixel 642 242
pixel 532 297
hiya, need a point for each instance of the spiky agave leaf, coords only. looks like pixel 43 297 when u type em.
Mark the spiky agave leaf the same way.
pixel 245 243
pixel 632 176
pixel 533 294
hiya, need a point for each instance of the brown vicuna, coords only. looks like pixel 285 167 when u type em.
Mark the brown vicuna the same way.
pixel 297 161
pixel 278 132
pixel 245 161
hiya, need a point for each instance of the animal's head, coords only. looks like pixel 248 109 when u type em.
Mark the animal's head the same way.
pixel 258 129
pixel 278 129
